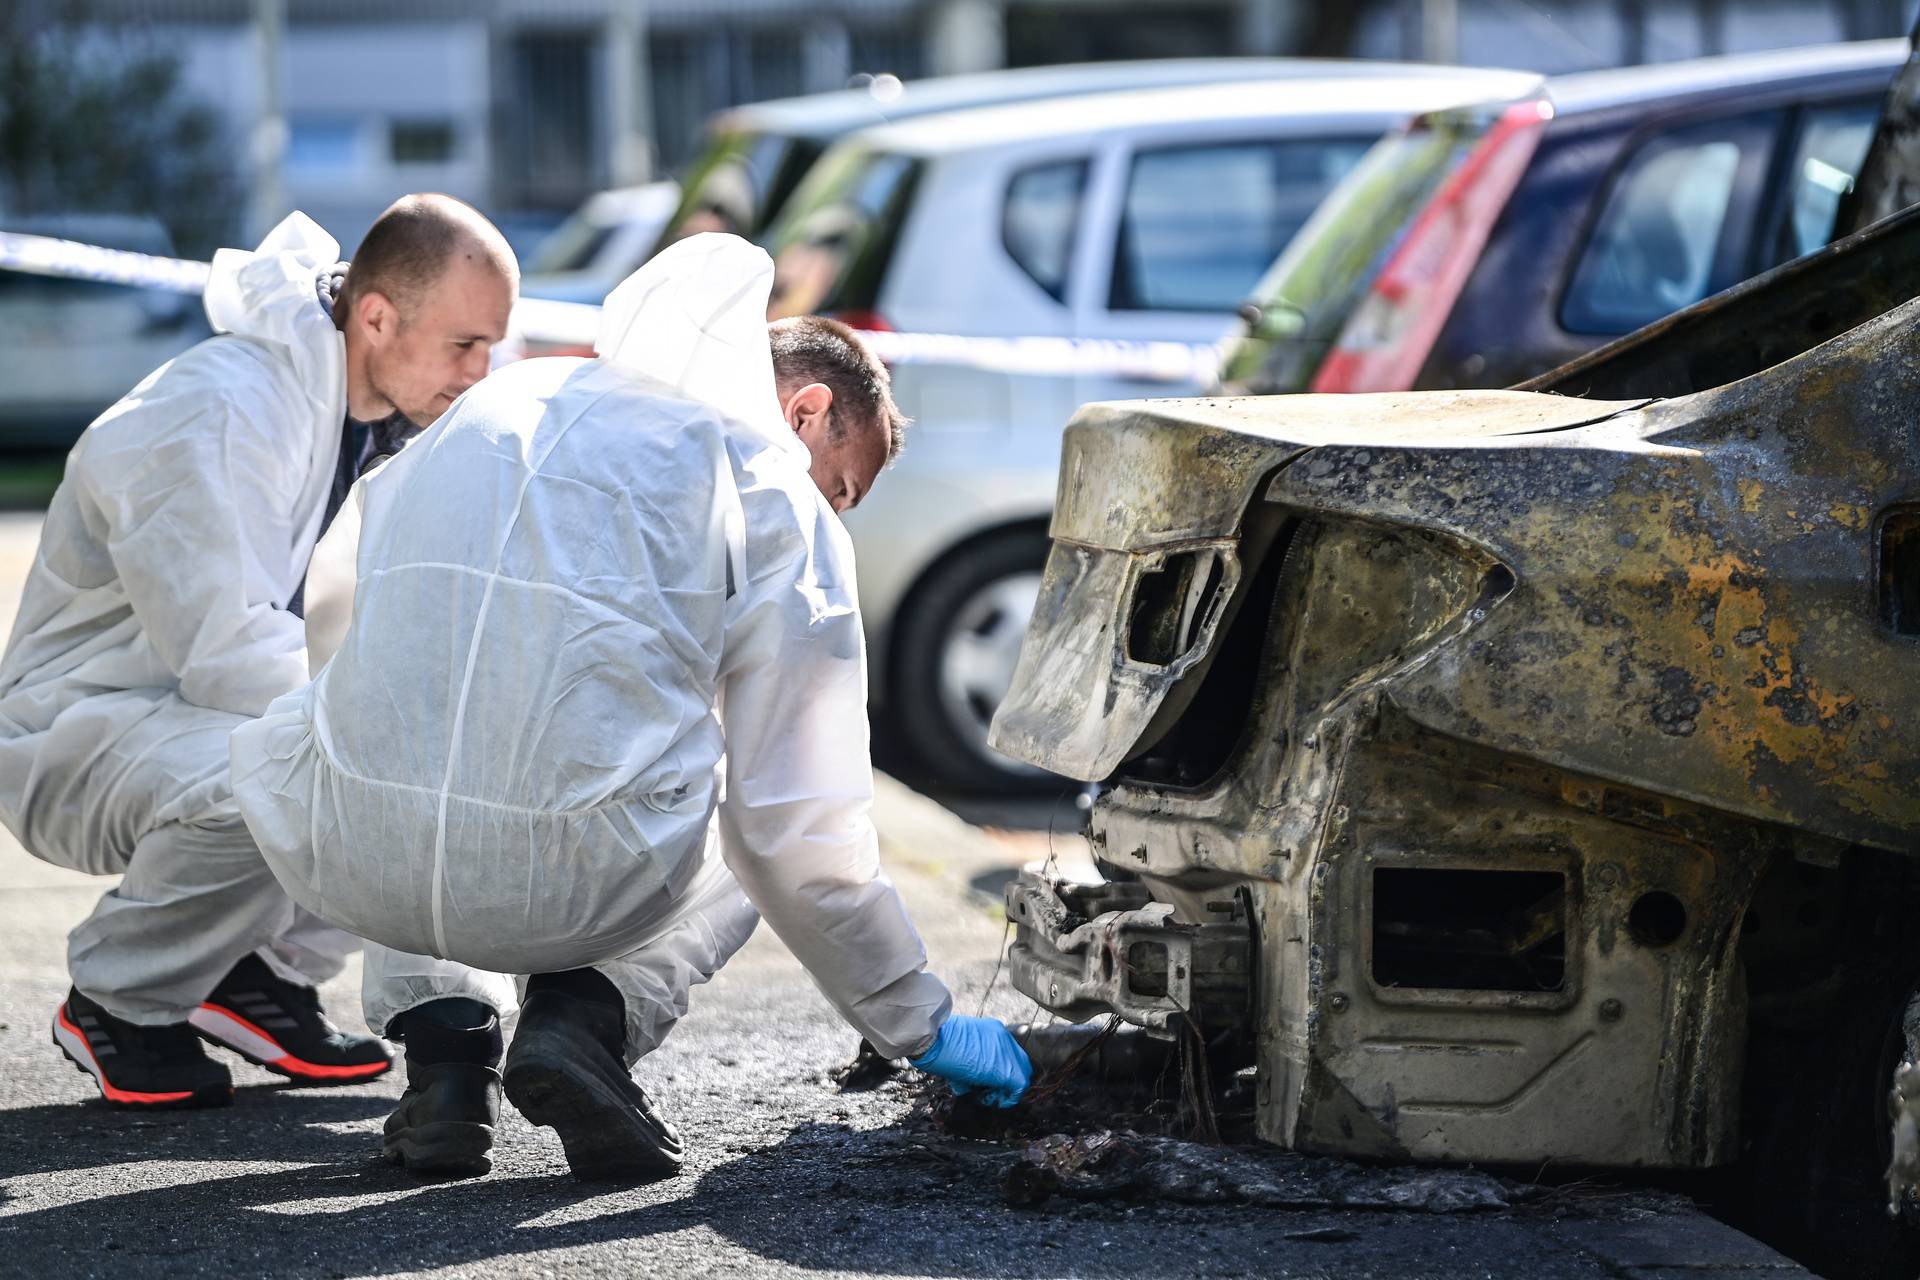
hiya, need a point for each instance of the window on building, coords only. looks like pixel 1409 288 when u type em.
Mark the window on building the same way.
pixel 420 141
pixel 881 50
pixel 774 67
pixel 1040 220
pixel 1671 230
pixel 1040 33
pixel 1202 223
pixel 318 144
pixel 553 127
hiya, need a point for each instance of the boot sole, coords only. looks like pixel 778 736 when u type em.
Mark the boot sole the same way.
pixel 74 1047
pixel 604 1136
pixel 449 1149
pixel 227 1030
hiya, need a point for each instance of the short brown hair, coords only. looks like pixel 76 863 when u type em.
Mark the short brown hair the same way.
pixel 815 349
pixel 409 246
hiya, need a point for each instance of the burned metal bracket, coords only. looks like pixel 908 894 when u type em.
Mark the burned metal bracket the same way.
pixel 1082 950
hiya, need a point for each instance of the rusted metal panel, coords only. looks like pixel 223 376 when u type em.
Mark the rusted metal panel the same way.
pixel 1084 950
pixel 1143 482
pixel 1505 709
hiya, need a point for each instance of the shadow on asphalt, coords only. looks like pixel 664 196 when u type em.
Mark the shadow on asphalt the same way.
pixel 320 1203
pixel 290 1184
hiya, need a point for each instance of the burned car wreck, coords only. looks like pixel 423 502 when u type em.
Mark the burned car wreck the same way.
pixel 1515 776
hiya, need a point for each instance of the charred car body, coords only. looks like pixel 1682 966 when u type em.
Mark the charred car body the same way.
pixel 1516 776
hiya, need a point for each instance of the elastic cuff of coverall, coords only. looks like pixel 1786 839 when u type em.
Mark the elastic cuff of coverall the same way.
pixel 381 1015
pixel 913 1055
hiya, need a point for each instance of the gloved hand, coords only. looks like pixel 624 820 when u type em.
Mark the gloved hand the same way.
pixel 979 1053
pixel 328 283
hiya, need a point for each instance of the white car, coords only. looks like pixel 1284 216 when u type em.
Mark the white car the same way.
pixel 600 244
pixel 1110 221
pixel 756 154
pixel 70 348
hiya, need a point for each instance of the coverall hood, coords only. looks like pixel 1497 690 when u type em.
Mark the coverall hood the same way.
pixel 694 319
pixel 269 294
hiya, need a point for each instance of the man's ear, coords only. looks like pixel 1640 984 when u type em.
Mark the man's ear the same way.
pixel 806 409
pixel 376 314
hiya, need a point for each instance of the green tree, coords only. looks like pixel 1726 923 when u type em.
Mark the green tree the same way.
pixel 94 119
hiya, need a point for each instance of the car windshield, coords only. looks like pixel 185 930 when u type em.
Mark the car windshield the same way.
pixel 573 245
pixel 831 246
pixel 1299 306
pixel 740 183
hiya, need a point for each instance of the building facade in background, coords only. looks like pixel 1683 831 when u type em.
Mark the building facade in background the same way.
pixel 525 107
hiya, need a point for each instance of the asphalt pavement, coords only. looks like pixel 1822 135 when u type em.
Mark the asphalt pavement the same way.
pixel 787 1174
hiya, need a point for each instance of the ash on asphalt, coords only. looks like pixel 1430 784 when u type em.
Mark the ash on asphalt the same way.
pixel 787 1176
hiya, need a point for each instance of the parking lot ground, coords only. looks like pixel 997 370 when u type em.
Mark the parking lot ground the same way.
pixel 787 1175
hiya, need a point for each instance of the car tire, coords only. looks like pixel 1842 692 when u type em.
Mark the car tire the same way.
pixel 956 636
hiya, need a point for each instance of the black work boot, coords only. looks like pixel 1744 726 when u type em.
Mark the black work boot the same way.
pixel 139 1066
pixel 567 1070
pixel 278 1025
pixel 443 1127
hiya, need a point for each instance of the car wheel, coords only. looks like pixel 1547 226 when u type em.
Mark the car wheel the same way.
pixel 957 641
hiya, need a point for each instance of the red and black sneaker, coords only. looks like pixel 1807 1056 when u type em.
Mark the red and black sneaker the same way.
pixel 138 1066
pixel 278 1025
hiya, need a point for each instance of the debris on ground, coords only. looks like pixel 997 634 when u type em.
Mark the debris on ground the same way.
pixel 1110 1117
pixel 1110 1164
pixel 867 1072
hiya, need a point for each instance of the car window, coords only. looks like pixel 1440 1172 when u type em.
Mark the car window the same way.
pixel 832 246
pixel 1658 240
pixel 1041 216
pixel 1201 223
pixel 1826 158
pixel 1300 305
pixel 738 184
pixel 573 245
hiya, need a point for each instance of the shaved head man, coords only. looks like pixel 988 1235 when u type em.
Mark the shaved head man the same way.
pixel 164 608
pixel 422 307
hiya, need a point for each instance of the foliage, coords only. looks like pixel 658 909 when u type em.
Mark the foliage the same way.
pixel 96 120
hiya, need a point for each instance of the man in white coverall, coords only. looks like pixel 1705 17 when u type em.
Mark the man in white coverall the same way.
pixel 163 609
pixel 604 696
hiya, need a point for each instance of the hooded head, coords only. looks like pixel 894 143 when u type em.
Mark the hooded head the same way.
pixel 694 318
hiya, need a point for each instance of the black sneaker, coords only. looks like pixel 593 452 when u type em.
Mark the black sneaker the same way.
pixel 444 1125
pixel 565 1071
pixel 138 1066
pixel 278 1025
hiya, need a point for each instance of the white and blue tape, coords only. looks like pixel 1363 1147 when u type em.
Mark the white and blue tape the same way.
pixel 538 322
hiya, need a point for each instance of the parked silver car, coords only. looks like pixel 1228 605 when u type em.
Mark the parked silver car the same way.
pixel 70 348
pixel 1046 247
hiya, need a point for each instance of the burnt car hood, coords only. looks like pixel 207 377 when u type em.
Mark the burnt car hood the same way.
pixel 1714 596
pixel 1147 483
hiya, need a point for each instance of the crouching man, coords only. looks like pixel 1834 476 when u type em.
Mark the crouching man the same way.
pixel 601 705
pixel 163 609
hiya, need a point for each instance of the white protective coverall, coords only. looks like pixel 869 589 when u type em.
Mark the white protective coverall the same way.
pixel 577 592
pixel 154 621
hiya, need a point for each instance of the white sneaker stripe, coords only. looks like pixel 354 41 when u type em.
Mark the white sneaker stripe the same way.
pixel 241 1039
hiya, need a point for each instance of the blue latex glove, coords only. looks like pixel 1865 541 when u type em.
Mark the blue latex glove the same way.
pixel 979 1053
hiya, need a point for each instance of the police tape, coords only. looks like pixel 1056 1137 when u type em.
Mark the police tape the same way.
pixel 541 325
pixel 69 259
